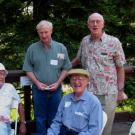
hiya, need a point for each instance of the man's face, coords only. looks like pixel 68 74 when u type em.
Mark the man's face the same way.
pixel 45 33
pixel 2 76
pixel 95 25
pixel 78 83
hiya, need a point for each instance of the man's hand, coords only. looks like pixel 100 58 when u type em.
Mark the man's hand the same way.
pixel 54 86
pixel 41 85
pixel 22 129
pixel 120 97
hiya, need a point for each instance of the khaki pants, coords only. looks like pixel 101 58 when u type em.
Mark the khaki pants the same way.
pixel 109 104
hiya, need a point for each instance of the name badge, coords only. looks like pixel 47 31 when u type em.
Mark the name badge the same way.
pixel 67 104
pixel 54 62
pixel 79 113
pixel 60 56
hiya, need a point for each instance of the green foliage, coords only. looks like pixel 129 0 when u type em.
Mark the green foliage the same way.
pixel 127 105
pixel 130 87
pixel 17 24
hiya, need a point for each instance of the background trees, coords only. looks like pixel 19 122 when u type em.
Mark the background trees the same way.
pixel 18 19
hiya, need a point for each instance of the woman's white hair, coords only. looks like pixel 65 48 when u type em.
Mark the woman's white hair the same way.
pixel 44 23
pixel 95 14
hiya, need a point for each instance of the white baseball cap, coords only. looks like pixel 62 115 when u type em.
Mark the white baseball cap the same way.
pixel 2 67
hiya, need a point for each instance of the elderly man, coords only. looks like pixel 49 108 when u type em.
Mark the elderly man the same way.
pixel 8 95
pixel 102 55
pixel 46 64
pixel 79 113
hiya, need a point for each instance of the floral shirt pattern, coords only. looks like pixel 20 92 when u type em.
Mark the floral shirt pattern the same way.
pixel 101 58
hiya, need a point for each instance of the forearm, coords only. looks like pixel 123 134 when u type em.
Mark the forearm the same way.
pixel 120 78
pixel 75 62
pixel 62 76
pixel 32 77
pixel 21 113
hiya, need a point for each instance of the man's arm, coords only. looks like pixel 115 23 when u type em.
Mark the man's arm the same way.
pixel 75 62
pixel 54 129
pixel 33 78
pixel 22 119
pixel 95 120
pixel 58 82
pixel 120 82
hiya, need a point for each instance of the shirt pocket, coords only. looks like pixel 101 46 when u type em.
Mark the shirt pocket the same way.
pixel 105 58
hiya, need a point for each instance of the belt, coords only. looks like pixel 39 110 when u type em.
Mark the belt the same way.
pixel 67 131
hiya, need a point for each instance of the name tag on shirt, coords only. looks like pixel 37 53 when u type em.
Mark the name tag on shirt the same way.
pixel 60 56
pixel 54 62
pixel 79 113
pixel 67 104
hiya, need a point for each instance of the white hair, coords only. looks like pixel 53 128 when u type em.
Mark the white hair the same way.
pixel 44 23
pixel 95 14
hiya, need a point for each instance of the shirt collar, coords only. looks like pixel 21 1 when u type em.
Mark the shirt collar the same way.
pixel 50 45
pixel 101 38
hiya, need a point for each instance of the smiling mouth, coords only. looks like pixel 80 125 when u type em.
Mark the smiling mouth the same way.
pixel 95 28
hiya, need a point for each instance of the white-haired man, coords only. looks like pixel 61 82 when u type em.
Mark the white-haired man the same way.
pixel 102 55
pixel 8 95
pixel 46 64
pixel 80 112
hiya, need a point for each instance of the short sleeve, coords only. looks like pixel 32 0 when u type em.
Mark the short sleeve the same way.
pixel 15 95
pixel 67 64
pixel 28 66
pixel 119 56
pixel 79 53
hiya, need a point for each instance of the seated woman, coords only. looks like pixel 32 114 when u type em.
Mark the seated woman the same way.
pixel 8 95
pixel 79 113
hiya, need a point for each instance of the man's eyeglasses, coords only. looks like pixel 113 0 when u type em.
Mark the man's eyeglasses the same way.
pixel 78 79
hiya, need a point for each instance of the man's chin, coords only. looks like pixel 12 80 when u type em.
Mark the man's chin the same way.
pixel 78 91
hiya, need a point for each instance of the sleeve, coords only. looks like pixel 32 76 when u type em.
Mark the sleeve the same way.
pixel 79 53
pixel 57 122
pixel 28 66
pixel 67 64
pixel 95 120
pixel 119 56
pixel 15 95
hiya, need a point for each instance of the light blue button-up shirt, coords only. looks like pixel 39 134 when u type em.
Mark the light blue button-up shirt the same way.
pixel 84 116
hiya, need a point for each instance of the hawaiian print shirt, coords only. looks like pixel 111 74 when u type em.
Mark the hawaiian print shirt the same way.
pixel 101 58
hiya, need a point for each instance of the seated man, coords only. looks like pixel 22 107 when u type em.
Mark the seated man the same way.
pixel 79 113
pixel 8 95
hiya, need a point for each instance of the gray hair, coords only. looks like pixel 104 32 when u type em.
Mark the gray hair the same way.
pixel 44 23
pixel 95 14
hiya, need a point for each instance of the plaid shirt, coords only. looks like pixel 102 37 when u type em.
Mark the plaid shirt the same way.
pixel 101 58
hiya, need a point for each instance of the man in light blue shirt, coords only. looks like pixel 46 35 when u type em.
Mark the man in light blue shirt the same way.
pixel 79 113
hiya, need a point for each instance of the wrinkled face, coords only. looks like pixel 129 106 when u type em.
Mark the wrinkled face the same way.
pixel 2 76
pixel 45 33
pixel 79 83
pixel 96 24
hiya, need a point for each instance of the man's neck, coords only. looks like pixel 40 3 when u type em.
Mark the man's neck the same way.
pixel 47 44
pixel 96 37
